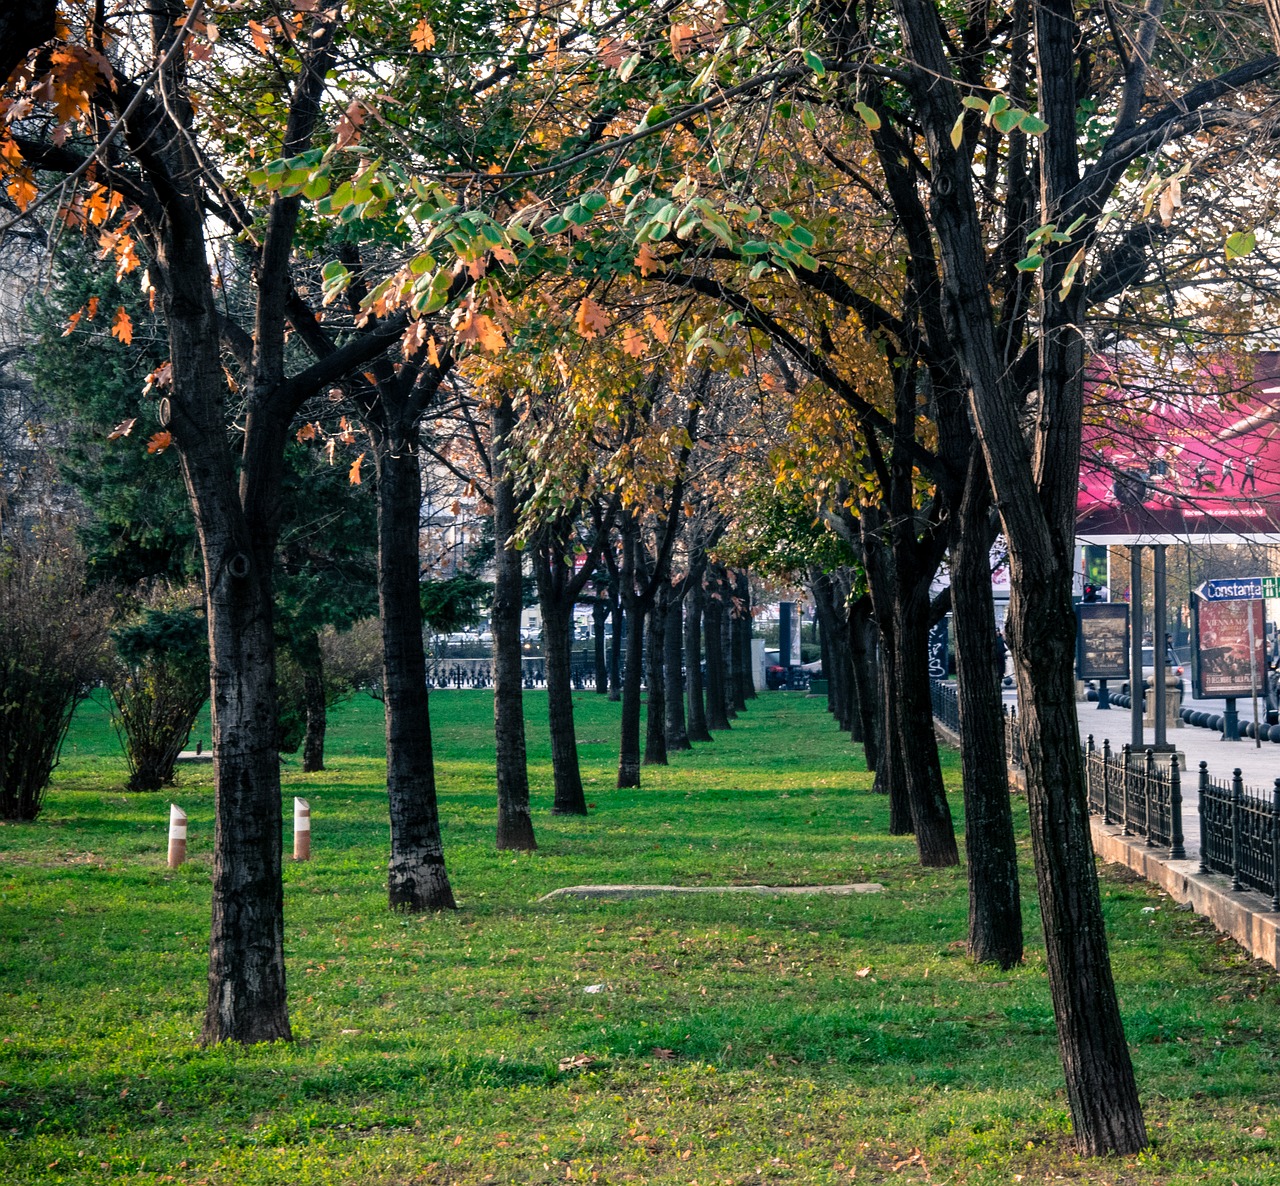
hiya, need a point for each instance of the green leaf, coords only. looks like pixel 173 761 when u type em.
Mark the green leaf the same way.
pixel 555 224
pixel 628 67
pixel 317 187
pixel 781 218
pixel 1030 264
pixel 814 63
pixel 998 104
pixel 759 269
pixel 1241 243
pixel 803 235
pixel 1033 125
pixel 807 118
pixel 974 103
pixel 1007 121
pixel 520 234
pixel 870 116
pixel 806 261
pixel 755 247
pixel 593 201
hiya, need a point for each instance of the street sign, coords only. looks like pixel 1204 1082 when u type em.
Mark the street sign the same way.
pixel 1271 586
pixel 1232 589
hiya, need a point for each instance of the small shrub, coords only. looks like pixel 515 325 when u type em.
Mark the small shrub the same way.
pixel 52 641
pixel 159 680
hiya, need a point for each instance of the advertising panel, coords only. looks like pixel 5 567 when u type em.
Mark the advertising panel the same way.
pixel 1222 647
pixel 1102 641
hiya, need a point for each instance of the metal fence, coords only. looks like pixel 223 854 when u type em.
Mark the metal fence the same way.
pixel 1239 825
pixel 1240 833
pixel 478 673
pixel 1140 794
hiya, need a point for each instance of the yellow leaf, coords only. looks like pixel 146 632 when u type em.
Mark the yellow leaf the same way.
pixel 353 474
pixel 423 36
pixel 122 327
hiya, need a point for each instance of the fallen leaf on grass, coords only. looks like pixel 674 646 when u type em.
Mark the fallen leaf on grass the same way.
pixel 663 1053
pixel 574 1062
pixel 863 973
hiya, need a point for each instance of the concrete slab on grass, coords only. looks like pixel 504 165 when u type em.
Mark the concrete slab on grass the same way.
pixel 651 891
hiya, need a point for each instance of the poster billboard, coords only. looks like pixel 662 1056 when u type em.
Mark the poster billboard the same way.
pixel 1102 641
pixel 1222 666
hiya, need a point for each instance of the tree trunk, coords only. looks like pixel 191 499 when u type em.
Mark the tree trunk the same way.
pixel 866 680
pixel 744 638
pixel 697 728
pixel 515 825
pixel 557 624
pixel 655 732
pixel 712 616
pixel 629 746
pixel 737 662
pixel 672 656
pixel 599 612
pixel 995 906
pixel 726 655
pixel 615 641
pixel 416 876
pixel 891 773
pixel 317 714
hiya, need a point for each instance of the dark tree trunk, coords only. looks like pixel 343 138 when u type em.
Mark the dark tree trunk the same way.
pixel 694 599
pixel 655 732
pixel 995 905
pixel 866 681
pixel 672 656
pixel 712 617
pixel 726 655
pixel 515 825
pixel 599 612
pixel 557 627
pixel 836 660
pixel 737 663
pixel 416 877
pixel 633 673
pixel 313 693
pixel 744 638
pixel 891 773
pixel 616 642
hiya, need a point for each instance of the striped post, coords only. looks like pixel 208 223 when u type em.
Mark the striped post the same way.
pixel 177 835
pixel 301 830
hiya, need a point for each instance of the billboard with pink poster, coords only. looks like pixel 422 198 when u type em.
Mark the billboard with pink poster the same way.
pixel 1223 637
pixel 1198 456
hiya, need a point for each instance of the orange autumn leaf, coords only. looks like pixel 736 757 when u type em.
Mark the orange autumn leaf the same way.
pixel 72 322
pixel 433 351
pixel 353 474
pixel 122 328
pixel 482 329
pixel 307 432
pixel 591 320
pixel 159 442
pixel 646 261
pixel 657 327
pixel 679 35
pixel 423 36
pixel 611 52
pixel 632 341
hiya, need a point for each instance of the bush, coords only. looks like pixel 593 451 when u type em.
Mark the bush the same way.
pixel 159 680
pixel 352 660
pixel 52 642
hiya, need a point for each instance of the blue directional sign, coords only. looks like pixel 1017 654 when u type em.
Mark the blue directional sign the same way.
pixel 1231 589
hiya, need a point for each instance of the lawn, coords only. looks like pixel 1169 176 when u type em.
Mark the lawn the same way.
pixel 728 1039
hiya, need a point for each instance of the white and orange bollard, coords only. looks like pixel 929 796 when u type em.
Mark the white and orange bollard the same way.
pixel 301 830
pixel 177 835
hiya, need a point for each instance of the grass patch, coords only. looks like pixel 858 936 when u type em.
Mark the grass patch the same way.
pixel 734 1039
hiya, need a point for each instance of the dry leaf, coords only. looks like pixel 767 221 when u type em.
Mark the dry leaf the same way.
pixel 306 433
pixel 863 973
pixel 663 1053
pixel 122 327
pixel 657 327
pixel 575 1062
pixel 72 322
pixel 423 36
pixel 353 474
pixel 611 52
pixel 646 261
pixel 632 341
pixel 433 351
pixel 679 35
pixel 123 429
pixel 91 308
pixel 159 442
pixel 591 320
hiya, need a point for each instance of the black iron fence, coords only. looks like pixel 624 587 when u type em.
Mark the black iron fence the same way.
pixel 1240 833
pixel 1239 825
pixel 1140 794
pixel 478 673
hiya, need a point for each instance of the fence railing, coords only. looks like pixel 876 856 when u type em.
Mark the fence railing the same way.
pixel 478 673
pixel 1239 825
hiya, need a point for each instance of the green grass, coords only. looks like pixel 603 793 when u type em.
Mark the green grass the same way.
pixel 736 1039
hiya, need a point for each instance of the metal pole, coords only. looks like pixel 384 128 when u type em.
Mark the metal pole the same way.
pixel 1177 849
pixel 1253 674
pixel 1159 652
pixel 1237 801
pixel 1135 646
